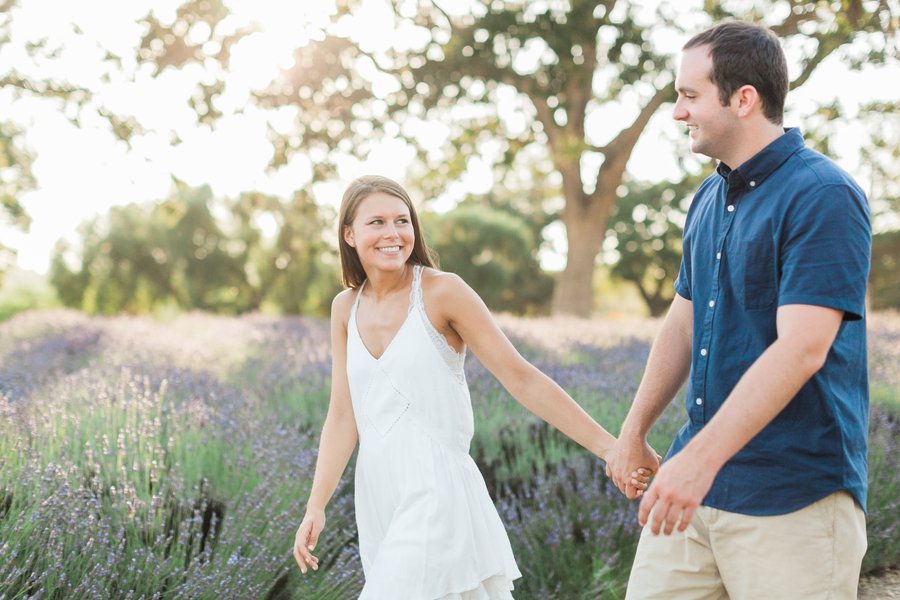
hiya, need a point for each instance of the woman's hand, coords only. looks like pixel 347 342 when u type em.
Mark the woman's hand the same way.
pixel 640 480
pixel 306 539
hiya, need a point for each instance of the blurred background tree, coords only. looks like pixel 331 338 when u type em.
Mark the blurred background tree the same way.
pixel 882 159
pixel 495 252
pixel 527 89
pixel 645 235
pixel 15 178
pixel 178 253
pixel 563 62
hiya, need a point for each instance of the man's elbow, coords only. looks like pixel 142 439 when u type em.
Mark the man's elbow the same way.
pixel 813 355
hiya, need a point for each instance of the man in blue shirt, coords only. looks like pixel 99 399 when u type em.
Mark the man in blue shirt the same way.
pixel 762 493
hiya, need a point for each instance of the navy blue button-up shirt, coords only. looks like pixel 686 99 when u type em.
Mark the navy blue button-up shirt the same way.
pixel 786 227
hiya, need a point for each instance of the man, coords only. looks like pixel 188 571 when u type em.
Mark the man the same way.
pixel 760 496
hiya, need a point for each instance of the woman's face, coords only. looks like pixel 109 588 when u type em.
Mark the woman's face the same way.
pixel 381 232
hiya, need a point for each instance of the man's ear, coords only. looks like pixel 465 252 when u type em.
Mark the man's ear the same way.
pixel 348 237
pixel 748 100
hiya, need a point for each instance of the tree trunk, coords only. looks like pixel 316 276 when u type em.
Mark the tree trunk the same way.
pixel 574 291
pixel 656 302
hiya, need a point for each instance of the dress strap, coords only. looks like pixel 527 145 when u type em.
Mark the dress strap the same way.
pixel 415 295
pixel 356 301
pixel 455 360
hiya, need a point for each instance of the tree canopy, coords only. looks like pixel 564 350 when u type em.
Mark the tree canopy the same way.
pixel 571 86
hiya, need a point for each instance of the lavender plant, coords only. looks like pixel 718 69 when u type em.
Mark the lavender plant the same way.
pixel 149 459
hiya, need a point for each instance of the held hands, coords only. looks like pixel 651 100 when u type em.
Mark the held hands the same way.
pixel 630 463
pixel 306 539
pixel 680 487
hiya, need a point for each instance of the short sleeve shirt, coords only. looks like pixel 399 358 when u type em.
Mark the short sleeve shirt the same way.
pixel 786 227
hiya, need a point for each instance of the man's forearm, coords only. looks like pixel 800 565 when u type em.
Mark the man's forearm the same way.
pixel 667 368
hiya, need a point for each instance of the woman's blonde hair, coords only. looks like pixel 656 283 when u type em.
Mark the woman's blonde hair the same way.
pixel 352 272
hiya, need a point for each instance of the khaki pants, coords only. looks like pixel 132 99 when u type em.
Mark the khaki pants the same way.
pixel 814 553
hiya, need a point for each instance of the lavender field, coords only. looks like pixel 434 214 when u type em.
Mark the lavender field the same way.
pixel 149 459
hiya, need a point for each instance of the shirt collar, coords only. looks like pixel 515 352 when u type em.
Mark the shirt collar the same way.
pixel 765 162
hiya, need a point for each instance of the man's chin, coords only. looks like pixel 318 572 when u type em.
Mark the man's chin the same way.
pixel 698 147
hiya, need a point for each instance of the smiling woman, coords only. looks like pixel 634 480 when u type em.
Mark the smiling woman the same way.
pixel 427 525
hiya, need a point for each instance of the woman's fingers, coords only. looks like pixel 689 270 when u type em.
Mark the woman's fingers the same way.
pixel 303 545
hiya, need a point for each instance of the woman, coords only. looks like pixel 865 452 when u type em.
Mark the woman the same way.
pixel 427 526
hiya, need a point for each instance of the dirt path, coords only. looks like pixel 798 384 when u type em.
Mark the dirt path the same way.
pixel 884 586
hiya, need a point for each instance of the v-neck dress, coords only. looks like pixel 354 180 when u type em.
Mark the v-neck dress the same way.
pixel 428 529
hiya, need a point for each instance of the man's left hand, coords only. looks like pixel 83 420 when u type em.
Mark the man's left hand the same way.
pixel 678 489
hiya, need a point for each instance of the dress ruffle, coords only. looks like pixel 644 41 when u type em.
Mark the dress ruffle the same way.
pixel 498 587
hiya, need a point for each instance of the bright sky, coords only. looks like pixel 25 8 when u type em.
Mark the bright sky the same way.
pixel 82 172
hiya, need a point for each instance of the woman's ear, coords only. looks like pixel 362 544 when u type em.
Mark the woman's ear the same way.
pixel 348 237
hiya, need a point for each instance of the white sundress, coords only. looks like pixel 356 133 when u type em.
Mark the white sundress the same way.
pixel 427 527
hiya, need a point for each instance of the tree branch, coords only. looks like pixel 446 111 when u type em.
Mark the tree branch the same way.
pixel 824 49
pixel 443 12
pixel 619 150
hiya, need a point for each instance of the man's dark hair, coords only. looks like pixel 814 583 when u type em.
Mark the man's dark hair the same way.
pixel 746 54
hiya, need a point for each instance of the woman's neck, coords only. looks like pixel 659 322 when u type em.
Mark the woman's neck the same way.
pixel 383 284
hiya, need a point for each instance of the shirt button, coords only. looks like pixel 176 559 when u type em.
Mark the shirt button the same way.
pixel 712 303
pixel 698 401
pixel 703 352
pixel 731 208
pixel 752 184
pixel 718 256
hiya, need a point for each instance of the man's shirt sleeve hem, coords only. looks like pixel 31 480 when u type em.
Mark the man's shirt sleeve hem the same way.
pixel 851 311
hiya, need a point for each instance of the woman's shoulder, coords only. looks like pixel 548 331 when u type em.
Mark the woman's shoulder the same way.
pixel 441 283
pixel 448 292
pixel 343 304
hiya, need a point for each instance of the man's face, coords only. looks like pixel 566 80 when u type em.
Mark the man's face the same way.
pixel 711 126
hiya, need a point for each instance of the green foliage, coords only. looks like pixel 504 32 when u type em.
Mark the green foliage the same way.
pixel 142 258
pixel 881 158
pixel 493 251
pixel 15 178
pixel 884 279
pixel 646 230
pixel 21 291
pixel 297 271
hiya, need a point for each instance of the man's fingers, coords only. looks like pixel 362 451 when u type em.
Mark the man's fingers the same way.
pixel 671 519
pixel 686 518
pixel 646 506
pixel 617 481
pixel 659 516
pixel 631 492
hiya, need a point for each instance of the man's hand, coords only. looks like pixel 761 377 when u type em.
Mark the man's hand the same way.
pixel 628 454
pixel 677 491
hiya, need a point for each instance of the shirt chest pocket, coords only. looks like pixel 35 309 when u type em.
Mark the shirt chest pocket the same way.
pixel 756 281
